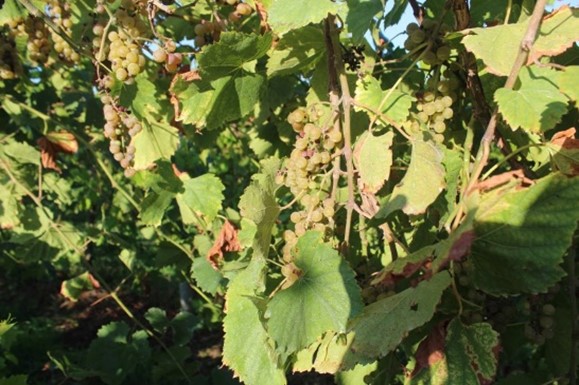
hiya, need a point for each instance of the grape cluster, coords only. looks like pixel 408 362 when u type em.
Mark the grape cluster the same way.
pixel 435 106
pixel 541 311
pixel 124 51
pixel 9 64
pixel 39 44
pixel 59 12
pixel 167 55
pixel 120 127
pixel 207 32
pixel 418 35
pixel 311 155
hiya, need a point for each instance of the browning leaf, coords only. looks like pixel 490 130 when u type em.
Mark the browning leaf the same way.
pixel 431 349
pixel 565 152
pixel 64 141
pixel 226 241
pixel 48 151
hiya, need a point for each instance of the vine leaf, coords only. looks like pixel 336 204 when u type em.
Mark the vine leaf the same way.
pixel 231 54
pixel 536 105
pixel 360 16
pixel 369 96
pixel 201 198
pixel 373 158
pixel 569 82
pixel 226 241
pixel 298 50
pixel 211 104
pixel 423 182
pixel 156 141
pixel 564 149
pixel 72 288
pixel 378 330
pixel 431 367
pixel 247 349
pixel 521 236
pixel 328 355
pixel 154 205
pixel 323 299
pixel 471 352
pixel 287 15
pixel 258 205
pixel 498 46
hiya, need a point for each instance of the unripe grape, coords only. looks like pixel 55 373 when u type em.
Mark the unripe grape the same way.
pixel 443 53
pixel 121 74
pixel 130 172
pixel 200 29
pixel 439 127
pixel 234 17
pixel 316 216
pixel 410 28
pixel 548 309
pixel 417 36
pixel 244 9
pixel 296 216
pixel 133 69
pixel 447 113
pixel 335 136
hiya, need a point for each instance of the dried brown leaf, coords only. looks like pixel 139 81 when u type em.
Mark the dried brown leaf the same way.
pixel 226 241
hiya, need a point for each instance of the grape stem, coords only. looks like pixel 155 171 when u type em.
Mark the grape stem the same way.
pixel 340 91
pixel 484 149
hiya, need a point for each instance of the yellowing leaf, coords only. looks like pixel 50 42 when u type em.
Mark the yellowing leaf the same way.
pixel 370 98
pixel 423 181
pixel 498 46
pixel 373 159
pixel 537 105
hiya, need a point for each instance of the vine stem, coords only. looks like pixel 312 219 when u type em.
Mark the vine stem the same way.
pixel 485 144
pixel 574 323
pixel 340 91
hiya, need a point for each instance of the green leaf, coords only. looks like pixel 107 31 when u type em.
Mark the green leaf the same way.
pixel 285 15
pixel 569 83
pixel 153 207
pixel 298 50
pixel 323 299
pixel 223 100
pixel 536 105
pixel 20 379
pixel 156 141
pixel 423 182
pixel 142 97
pixel 370 98
pixel 231 52
pixel 258 204
pixel 9 205
pixel 208 279
pixel 521 236
pixel 498 46
pixel 374 159
pixel 360 15
pixel 201 198
pixel 247 349
pixel 471 353
pixel 21 152
pixel 74 287
pixel 383 324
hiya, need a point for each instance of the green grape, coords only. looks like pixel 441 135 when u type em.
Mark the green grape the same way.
pixel 439 127
pixel 417 36
pixel 447 101
pixel 296 217
pixel 244 9
pixel 410 28
pixel 335 136
pixel 546 322
pixel 447 113
pixel 548 309
pixel 439 105
pixel 429 109
pixel 443 53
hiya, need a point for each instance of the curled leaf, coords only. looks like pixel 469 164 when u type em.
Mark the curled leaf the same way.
pixel 226 241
